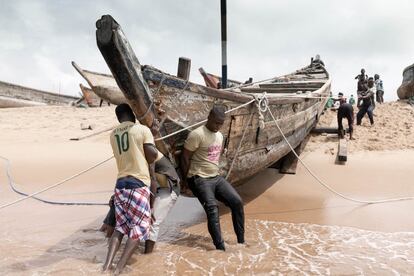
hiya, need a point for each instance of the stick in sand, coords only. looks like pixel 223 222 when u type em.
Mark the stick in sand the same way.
pixel 93 134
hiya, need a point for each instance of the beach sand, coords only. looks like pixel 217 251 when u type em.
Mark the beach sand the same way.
pixel 293 224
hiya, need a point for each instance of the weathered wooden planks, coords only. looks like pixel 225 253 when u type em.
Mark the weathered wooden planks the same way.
pixel 277 89
pixel 342 150
pixel 184 68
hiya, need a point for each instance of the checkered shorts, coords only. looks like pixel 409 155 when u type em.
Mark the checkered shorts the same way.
pixel 133 212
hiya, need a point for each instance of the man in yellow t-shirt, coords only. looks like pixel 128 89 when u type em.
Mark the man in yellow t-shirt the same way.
pixel 200 164
pixel 134 151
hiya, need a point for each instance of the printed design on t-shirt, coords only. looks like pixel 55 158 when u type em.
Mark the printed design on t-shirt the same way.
pixel 213 153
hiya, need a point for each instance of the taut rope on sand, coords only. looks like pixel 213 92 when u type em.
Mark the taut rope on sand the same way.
pixel 262 107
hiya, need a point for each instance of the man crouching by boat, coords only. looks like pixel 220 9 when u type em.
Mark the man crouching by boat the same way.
pixel 200 163
pixel 134 151
pixel 168 190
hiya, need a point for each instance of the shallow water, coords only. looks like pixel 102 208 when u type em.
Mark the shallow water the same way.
pixel 272 248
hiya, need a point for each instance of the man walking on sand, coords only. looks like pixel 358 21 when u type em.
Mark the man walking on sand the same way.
pixel 199 163
pixel 134 151
pixel 367 103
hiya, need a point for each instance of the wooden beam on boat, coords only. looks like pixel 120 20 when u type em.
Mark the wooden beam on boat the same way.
pixel 342 150
pixel 330 130
pixel 184 67
pixel 277 90
pixel 290 162
pixel 292 85
pixel 126 70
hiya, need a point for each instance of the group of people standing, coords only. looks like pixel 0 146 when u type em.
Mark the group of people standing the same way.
pixel 148 185
pixel 369 91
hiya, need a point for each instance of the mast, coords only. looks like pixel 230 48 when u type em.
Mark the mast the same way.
pixel 223 9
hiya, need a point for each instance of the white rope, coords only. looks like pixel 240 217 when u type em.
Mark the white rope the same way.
pixel 239 146
pixel 322 182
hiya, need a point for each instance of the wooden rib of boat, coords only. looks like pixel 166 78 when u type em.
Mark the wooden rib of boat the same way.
pixel 103 85
pixel 406 89
pixel 176 103
pixel 12 95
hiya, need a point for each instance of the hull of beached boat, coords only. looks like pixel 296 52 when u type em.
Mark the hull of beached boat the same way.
pixel 252 140
pixel 296 100
pixel 12 95
pixel 406 90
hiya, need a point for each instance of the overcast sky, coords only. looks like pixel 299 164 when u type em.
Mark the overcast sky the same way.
pixel 39 38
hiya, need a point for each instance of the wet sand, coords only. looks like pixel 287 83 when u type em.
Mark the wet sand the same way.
pixel 293 225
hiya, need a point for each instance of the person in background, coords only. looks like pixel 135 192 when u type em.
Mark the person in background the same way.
pixel 362 85
pixel 380 89
pixel 366 98
pixel 200 164
pixel 351 100
pixel 330 101
pixel 345 110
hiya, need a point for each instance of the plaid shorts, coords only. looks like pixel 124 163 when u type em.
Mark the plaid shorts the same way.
pixel 133 212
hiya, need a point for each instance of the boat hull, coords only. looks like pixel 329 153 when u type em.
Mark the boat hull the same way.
pixel 406 90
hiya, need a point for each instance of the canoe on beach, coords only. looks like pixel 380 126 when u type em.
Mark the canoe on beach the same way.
pixel 252 141
pixel 103 85
pixel 13 95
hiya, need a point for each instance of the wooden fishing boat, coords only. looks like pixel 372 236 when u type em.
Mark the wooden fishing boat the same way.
pixel 103 85
pixel 406 89
pixel 12 95
pixel 252 139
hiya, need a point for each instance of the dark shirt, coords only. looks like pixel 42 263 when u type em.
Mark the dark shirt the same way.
pixel 345 110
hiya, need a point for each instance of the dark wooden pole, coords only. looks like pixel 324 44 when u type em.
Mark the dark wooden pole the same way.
pixel 184 67
pixel 126 69
pixel 223 44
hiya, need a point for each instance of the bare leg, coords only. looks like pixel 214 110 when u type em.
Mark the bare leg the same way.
pixel 149 246
pixel 128 251
pixel 112 249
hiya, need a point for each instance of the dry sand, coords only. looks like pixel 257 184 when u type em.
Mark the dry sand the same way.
pixel 293 225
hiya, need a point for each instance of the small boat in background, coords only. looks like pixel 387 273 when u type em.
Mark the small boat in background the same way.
pixel 13 95
pixel 91 99
pixel 103 85
pixel 214 81
pixel 406 89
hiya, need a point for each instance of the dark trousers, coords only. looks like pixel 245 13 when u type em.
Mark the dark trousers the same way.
pixel 380 95
pixel 207 190
pixel 341 127
pixel 361 113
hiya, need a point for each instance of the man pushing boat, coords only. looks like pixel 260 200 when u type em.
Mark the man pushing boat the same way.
pixel 200 165
pixel 134 151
